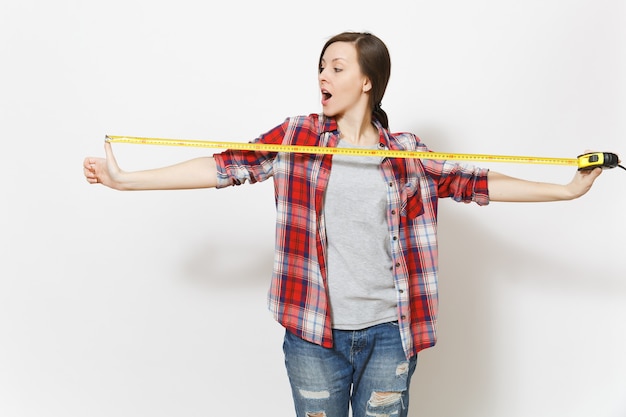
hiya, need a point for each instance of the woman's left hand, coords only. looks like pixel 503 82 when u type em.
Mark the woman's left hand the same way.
pixel 582 182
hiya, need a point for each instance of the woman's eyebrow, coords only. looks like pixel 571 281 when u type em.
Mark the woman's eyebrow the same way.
pixel 334 59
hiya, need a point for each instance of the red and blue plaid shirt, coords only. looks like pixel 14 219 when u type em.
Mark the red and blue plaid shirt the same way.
pixel 298 297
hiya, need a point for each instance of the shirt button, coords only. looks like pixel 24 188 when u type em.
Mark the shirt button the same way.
pixel 391 184
pixel 393 212
pixel 403 317
pixel 395 238
pixel 398 265
pixel 401 291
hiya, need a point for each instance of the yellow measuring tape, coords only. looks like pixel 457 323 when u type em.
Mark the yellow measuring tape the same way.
pixel 581 162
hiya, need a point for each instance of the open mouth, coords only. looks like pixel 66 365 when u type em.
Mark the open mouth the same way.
pixel 325 96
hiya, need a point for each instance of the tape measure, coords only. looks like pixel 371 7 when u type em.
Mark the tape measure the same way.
pixel 586 161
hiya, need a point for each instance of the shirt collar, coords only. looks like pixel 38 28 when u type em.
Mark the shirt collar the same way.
pixel 384 141
pixel 329 124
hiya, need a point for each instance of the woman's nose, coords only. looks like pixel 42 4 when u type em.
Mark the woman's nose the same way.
pixel 322 74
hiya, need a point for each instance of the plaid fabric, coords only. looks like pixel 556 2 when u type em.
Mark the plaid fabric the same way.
pixel 297 296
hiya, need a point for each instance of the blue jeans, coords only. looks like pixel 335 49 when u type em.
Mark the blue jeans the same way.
pixel 366 369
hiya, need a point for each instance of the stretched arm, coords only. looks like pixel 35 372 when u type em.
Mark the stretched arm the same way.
pixel 194 173
pixel 505 188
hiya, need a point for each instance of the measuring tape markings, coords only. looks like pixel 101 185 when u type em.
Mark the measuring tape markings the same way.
pixel 266 147
pixel 586 161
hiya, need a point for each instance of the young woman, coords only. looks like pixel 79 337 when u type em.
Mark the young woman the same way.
pixel 355 273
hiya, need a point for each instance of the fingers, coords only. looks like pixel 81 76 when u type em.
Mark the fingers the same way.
pixel 102 170
pixel 592 173
pixel 89 170
pixel 595 173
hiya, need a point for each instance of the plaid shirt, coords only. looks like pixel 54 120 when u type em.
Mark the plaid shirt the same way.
pixel 297 297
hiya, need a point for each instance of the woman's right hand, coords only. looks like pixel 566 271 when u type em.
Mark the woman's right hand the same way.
pixel 103 170
pixel 194 173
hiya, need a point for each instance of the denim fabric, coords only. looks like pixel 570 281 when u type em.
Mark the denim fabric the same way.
pixel 366 369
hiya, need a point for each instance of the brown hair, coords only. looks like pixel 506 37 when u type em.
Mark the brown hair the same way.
pixel 375 64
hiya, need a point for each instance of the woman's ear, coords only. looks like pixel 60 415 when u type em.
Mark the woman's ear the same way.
pixel 367 85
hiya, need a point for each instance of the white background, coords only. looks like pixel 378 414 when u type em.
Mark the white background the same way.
pixel 153 303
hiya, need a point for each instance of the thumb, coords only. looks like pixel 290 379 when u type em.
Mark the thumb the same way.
pixel 111 162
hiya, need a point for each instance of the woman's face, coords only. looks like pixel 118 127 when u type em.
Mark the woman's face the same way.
pixel 344 88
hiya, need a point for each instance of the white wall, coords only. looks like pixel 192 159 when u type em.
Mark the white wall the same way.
pixel 153 303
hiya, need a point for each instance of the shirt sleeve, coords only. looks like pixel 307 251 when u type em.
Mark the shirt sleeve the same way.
pixel 235 167
pixel 461 182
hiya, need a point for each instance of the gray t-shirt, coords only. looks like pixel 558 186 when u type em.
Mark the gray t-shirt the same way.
pixel 360 281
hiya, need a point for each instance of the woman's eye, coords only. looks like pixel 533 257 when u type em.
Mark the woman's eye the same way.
pixel 321 69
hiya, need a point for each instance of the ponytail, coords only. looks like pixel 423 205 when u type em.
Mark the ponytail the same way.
pixel 379 114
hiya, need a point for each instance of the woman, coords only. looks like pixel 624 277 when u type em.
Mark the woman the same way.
pixel 355 270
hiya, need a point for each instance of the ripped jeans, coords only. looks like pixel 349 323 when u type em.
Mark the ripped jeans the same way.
pixel 366 370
